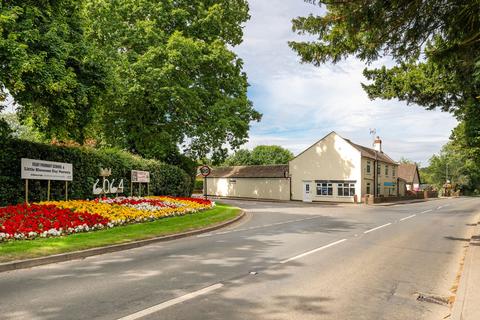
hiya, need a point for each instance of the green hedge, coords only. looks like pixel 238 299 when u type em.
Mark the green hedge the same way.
pixel 165 179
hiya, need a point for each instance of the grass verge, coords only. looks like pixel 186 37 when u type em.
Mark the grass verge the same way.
pixel 25 249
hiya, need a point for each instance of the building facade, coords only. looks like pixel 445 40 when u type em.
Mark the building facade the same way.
pixel 338 170
pixel 409 172
pixel 333 169
pixel 253 182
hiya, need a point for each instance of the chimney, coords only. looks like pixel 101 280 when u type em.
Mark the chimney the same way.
pixel 377 144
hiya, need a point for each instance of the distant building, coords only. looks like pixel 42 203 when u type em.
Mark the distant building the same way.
pixel 336 169
pixel 409 172
pixel 332 169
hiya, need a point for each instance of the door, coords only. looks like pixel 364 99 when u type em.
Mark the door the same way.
pixel 307 191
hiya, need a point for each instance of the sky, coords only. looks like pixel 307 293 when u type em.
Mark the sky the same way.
pixel 301 103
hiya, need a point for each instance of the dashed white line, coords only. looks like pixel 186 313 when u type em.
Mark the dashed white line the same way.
pixel 382 226
pixel 429 210
pixel 169 303
pixel 313 251
pixel 413 215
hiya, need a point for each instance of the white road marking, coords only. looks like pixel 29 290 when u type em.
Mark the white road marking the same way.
pixel 413 215
pixel 440 207
pixel 427 211
pixel 169 303
pixel 383 226
pixel 257 227
pixel 313 251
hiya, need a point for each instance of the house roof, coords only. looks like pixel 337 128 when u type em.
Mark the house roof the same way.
pixel 266 171
pixel 372 153
pixel 364 151
pixel 407 172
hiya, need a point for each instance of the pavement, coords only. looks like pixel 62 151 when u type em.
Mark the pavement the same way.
pixel 467 304
pixel 283 261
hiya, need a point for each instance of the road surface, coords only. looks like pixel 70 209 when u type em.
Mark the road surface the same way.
pixel 284 261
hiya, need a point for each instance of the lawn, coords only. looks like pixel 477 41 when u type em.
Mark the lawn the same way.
pixel 24 249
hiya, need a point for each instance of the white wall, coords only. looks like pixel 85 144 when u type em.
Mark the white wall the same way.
pixel 258 188
pixel 329 159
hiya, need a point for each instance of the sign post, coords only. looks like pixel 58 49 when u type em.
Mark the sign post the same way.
pixel 32 169
pixel 205 172
pixel 140 177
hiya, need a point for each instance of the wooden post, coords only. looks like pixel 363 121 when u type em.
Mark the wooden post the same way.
pixel 131 188
pixel 66 190
pixel 140 189
pixel 148 189
pixel 26 191
pixel 48 191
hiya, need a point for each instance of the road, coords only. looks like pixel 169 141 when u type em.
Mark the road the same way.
pixel 284 261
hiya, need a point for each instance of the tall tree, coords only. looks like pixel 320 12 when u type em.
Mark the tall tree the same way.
pixel 177 81
pixel 48 67
pixel 435 44
pixel 260 155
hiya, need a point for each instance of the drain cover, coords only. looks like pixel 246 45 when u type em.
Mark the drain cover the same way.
pixel 441 300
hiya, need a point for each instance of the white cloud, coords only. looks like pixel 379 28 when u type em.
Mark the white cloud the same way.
pixel 301 103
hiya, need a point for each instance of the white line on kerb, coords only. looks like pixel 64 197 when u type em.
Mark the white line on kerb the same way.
pixel 169 303
pixel 427 211
pixel 313 251
pixel 386 224
pixel 413 215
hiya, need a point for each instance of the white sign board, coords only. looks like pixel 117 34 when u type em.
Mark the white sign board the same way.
pixel 46 170
pixel 140 176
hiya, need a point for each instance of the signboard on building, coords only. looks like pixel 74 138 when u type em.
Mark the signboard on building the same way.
pixel 389 184
pixel 46 170
pixel 140 176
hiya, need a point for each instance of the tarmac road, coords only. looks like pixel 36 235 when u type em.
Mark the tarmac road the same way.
pixel 284 261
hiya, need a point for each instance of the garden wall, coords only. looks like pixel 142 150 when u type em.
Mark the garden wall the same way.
pixel 165 179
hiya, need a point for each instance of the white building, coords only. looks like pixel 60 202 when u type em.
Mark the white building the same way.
pixel 332 169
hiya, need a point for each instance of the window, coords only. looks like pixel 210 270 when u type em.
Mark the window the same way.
pixel 346 189
pixel 368 188
pixel 324 189
pixel 393 171
pixel 378 168
pixel 307 188
pixel 368 166
pixel 386 170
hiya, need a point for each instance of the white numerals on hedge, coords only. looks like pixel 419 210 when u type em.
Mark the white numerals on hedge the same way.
pixel 107 187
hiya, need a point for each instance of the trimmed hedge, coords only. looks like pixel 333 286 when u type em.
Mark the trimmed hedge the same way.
pixel 165 179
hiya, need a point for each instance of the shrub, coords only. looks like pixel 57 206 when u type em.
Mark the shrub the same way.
pixel 165 179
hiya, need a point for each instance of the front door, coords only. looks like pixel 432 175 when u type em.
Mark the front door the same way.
pixel 307 191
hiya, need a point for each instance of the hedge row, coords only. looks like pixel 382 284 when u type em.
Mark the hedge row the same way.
pixel 165 179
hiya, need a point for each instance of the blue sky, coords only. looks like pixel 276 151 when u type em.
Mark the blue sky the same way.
pixel 302 103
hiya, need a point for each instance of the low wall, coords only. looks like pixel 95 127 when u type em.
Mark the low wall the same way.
pixel 370 199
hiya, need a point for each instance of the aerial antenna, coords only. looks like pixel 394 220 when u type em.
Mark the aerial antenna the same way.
pixel 373 133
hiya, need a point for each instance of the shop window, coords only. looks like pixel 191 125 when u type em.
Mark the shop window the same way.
pixel 324 189
pixel 346 189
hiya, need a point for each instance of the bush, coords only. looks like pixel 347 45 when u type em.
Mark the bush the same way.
pixel 198 185
pixel 165 179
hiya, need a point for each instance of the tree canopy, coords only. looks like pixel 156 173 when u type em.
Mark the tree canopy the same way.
pixel 146 76
pixel 48 65
pixel 260 155
pixel 435 46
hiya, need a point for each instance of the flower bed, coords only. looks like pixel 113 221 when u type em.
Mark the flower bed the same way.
pixel 56 218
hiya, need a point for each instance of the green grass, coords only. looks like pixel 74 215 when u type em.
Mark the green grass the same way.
pixel 24 249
